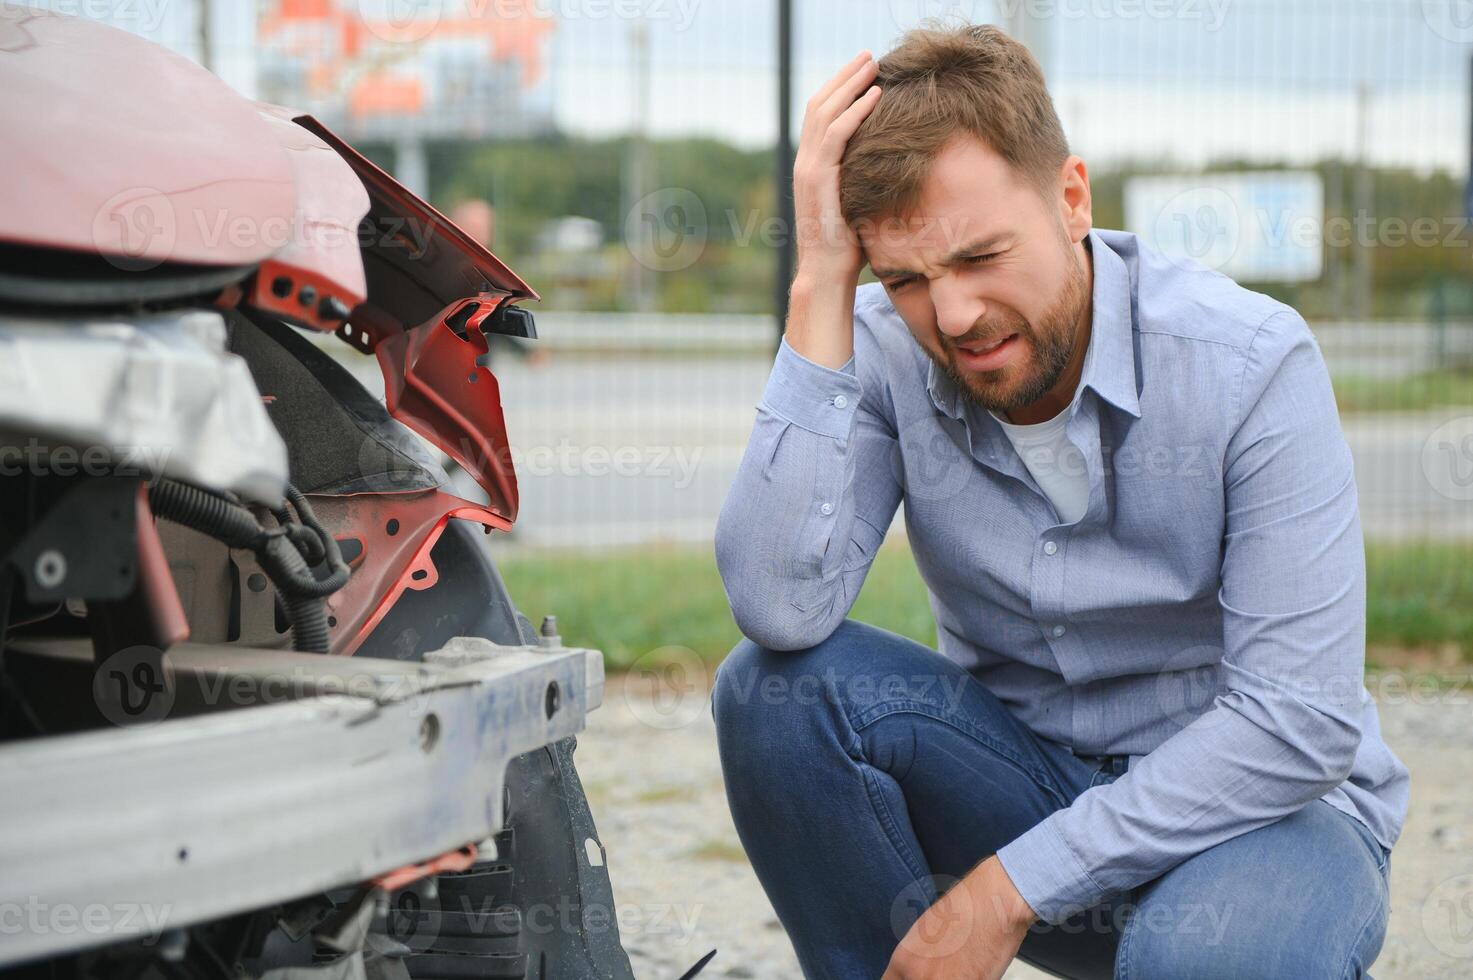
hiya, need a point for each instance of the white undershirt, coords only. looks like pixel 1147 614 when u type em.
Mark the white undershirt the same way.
pixel 1056 463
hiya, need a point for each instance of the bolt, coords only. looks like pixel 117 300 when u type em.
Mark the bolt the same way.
pixel 332 308
pixel 429 732
pixel 50 568
pixel 173 944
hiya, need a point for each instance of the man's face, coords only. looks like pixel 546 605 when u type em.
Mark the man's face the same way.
pixel 986 276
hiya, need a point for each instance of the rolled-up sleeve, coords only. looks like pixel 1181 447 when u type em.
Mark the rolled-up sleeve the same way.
pixel 1283 728
pixel 813 496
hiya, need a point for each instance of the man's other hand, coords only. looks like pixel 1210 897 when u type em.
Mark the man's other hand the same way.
pixel 970 933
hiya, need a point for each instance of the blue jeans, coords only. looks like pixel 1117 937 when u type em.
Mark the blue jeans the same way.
pixel 867 773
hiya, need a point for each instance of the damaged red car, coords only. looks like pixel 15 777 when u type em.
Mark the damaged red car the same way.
pixel 266 706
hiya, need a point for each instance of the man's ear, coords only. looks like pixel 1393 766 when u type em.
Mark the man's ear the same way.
pixel 1075 205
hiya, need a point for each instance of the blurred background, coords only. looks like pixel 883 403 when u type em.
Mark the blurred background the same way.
pixel 626 158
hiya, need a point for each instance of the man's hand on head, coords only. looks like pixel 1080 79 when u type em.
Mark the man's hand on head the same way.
pixel 826 245
pixel 970 933
pixel 820 318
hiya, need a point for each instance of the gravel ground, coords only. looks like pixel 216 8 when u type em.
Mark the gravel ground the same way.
pixel 683 885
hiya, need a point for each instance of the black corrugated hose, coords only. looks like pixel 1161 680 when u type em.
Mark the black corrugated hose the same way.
pixel 286 553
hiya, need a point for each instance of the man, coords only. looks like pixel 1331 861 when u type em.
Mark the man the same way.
pixel 1145 748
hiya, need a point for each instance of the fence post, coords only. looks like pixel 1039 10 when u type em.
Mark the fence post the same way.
pixel 786 243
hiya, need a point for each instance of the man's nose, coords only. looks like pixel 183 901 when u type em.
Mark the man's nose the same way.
pixel 957 310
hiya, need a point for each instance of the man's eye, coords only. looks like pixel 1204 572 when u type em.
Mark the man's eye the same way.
pixel 979 259
pixel 898 284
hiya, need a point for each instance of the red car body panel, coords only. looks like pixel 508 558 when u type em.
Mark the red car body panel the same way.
pixel 315 275
pixel 455 266
pixel 127 150
pixel 434 383
pixel 397 532
pixel 134 154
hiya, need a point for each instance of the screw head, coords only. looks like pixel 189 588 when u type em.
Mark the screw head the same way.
pixel 50 570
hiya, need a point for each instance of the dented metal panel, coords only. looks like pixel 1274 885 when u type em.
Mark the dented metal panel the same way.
pixel 140 396
pixel 288 774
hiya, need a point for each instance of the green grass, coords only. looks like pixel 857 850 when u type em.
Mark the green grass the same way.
pixel 1420 596
pixel 629 602
pixel 1418 392
pixel 718 850
pixel 667 794
pixel 637 602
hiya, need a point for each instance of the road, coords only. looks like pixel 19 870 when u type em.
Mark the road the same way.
pixel 1369 350
pixel 621 449
pixel 627 450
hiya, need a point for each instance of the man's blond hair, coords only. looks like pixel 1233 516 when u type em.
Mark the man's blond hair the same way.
pixel 937 84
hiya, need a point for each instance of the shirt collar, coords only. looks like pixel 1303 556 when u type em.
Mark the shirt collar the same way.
pixel 1109 363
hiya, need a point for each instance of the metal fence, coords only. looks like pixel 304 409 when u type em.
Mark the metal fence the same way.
pixel 589 125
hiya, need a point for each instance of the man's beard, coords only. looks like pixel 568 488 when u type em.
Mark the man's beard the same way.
pixel 1051 344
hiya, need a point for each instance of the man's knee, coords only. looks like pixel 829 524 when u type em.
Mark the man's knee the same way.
pixel 772 704
pixel 1300 897
pixel 1195 939
pixel 755 687
pixel 856 669
pixel 1214 939
pixel 730 693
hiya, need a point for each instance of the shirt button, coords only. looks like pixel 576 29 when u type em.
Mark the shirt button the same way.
pixel 826 509
pixel 1049 547
pixel 1058 631
pixel 840 401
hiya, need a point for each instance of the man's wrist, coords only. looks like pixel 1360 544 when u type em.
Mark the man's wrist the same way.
pixel 821 317
pixel 991 883
pixel 814 275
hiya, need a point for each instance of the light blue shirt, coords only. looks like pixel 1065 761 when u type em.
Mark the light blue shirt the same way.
pixel 1206 615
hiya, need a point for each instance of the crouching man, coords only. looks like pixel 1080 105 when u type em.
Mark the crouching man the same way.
pixel 1144 748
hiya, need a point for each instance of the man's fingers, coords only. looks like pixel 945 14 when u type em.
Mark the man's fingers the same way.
pixel 840 91
pixel 841 129
pixel 828 87
pixel 815 170
pixel 846 93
